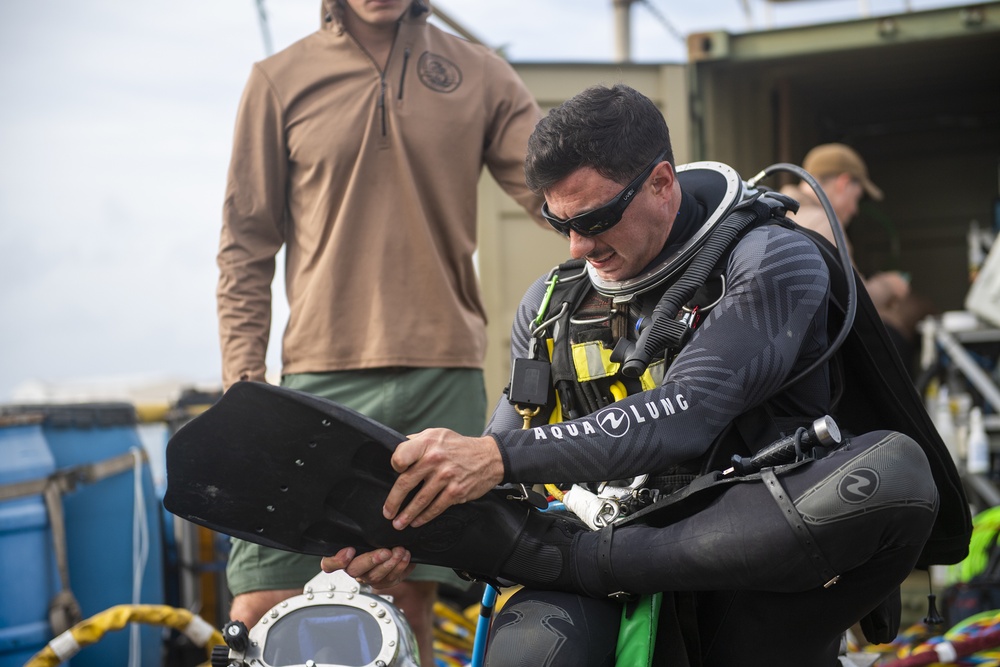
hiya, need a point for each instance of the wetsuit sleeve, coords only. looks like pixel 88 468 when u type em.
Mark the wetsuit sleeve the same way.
pixel 763 331
pixel 252 231
pixel 513 116
pixel 504 417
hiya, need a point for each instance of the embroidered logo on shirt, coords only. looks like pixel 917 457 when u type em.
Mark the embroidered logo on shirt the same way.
pixel 438 73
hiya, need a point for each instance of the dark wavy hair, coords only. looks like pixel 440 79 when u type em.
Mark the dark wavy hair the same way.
pixel 617 131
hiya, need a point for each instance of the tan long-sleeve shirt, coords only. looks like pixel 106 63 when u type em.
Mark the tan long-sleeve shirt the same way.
pixel 368 178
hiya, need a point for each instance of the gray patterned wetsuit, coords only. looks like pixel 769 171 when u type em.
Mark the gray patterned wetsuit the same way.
pixel 755 559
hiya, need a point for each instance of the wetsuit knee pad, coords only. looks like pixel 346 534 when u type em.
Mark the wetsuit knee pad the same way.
pixel 880 472
pixel 550 628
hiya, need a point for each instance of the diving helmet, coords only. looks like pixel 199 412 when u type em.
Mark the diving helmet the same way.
pixel 334 622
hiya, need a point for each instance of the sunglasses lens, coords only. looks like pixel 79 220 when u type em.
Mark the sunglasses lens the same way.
pixel 560 227
pixel 605 217
pixel 590 224
pixel 600 226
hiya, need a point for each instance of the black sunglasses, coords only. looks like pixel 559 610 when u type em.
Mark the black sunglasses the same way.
pixel 606 216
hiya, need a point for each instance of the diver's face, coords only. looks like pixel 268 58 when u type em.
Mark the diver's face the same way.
pixel 628 247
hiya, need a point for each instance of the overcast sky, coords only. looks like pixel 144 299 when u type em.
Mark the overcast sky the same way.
pixel 115 125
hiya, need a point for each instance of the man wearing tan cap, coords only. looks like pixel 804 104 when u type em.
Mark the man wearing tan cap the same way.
pixel 843 176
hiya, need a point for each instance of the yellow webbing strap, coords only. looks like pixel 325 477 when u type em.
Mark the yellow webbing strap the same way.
pixel 593 362
pixel 556 415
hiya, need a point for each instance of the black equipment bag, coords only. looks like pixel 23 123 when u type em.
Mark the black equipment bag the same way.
pixel 878 394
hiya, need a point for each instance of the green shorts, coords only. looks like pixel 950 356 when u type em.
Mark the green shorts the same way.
pixel 405 399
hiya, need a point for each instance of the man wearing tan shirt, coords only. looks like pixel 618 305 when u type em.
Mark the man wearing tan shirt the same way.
pixel 358 149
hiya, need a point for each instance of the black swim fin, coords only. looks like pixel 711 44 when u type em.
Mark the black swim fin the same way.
pixel 290 470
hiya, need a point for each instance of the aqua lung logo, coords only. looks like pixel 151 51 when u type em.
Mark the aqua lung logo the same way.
pixel 438 73
pixel 858 486
pixel 615 421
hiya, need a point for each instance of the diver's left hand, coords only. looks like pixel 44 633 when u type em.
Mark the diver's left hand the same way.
pixel 453 469
pixel 382 568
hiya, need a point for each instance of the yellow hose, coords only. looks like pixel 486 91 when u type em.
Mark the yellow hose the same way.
pixel 443 611
pixel 90 631
pixel 151 413
pixel 554 491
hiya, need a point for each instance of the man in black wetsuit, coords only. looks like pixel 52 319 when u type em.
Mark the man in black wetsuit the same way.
pixel 771 570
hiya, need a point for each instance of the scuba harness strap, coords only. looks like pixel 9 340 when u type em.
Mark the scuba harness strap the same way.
pixel 587 375
pixel 567 293
pixel 578 307
pixel 662 330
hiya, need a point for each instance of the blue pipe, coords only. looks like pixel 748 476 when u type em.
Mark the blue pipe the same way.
pixel 483 626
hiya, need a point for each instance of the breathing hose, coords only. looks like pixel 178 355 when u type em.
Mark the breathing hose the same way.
pixel 662 327
pixel 851 307
pixel 655 337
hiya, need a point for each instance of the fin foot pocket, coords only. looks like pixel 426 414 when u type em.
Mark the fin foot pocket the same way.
pixel 296 472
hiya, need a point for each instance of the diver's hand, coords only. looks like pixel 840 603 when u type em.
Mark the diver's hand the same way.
pixel 453 469
pixel 382 568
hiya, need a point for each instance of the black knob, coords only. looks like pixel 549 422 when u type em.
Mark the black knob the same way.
pixel 220 656
pixel 236 635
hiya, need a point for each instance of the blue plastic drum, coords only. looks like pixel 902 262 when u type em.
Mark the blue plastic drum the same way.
pixel 113 527
pixel 28 576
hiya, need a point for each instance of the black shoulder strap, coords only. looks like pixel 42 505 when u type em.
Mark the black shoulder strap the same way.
pixel 569 278
pixel 571 286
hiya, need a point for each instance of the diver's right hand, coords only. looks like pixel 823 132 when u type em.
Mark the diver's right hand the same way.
pixel 446 469
pixel 382 568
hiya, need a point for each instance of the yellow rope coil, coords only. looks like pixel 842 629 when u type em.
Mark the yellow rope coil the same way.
pixel 90 631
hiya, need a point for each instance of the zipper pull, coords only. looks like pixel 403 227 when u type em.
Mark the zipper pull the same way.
pixel 402 74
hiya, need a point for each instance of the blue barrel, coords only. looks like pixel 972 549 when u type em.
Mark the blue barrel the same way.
pixel 28 577
pixel 104 551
